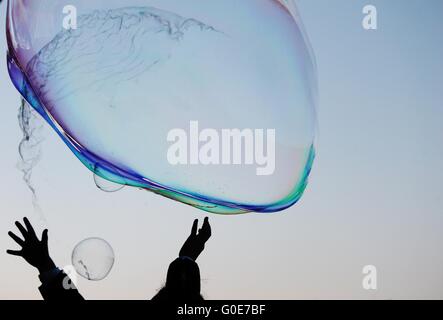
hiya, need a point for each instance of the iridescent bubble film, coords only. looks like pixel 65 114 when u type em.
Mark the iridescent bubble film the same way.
pixel 130 85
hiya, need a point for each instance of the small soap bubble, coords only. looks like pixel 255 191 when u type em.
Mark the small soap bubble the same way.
pixel 106 185
pixel 93 258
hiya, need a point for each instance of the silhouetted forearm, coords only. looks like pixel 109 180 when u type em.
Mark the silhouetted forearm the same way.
pixel 58 287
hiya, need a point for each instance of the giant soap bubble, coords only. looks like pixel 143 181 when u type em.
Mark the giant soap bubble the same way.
pixel 208 102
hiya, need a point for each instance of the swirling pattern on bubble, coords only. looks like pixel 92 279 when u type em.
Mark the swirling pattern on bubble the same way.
pixel 115 86
pixel 75 52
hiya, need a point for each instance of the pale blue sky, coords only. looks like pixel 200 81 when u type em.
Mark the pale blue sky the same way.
pixel 374 195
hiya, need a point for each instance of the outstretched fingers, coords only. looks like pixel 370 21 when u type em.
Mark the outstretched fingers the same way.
pixel 45 237
pixel 206 225
pixel 194 228
pixel 14 252
pixel 205 231
pixel 31 231
pixel 17 239
pixel 22 230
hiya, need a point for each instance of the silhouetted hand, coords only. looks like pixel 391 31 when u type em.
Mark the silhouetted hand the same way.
pixel 34 251
pixel 195 243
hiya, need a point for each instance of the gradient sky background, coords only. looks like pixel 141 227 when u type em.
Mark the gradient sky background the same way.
pixel 374 195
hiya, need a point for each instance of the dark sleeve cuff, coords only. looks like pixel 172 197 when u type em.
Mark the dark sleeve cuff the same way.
pixel 49 276
pixel 56 285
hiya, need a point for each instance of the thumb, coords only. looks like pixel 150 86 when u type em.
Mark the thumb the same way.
pixel 45 237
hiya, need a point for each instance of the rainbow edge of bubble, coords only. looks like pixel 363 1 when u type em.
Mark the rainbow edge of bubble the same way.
pixel 109 171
